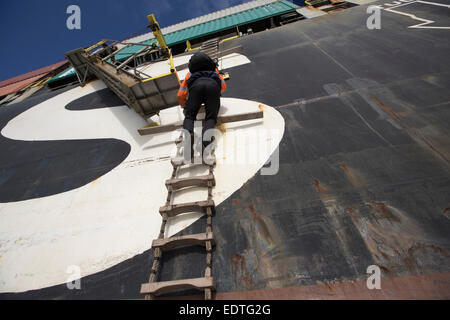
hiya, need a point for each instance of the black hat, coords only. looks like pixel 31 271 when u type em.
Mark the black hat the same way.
pixel 200 61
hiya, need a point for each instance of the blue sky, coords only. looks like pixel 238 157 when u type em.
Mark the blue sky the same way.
pixel 34 33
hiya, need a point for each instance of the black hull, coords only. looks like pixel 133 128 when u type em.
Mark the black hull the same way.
pixel 364 168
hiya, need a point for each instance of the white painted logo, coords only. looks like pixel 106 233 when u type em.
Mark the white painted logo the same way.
pixel 74 20
pixel 424 23
pixel 73 281
pixel 374 20
pixel 374 280
pixel 98 211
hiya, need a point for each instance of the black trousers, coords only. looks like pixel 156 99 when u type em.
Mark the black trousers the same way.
pixel 207 91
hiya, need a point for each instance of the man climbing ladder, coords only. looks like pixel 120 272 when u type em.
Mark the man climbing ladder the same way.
pixel 202 84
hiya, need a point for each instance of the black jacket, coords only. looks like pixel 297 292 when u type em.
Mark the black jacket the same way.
pixel 202 66
pixel 204 74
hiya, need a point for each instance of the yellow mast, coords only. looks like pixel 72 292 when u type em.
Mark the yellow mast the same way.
pixel 157 32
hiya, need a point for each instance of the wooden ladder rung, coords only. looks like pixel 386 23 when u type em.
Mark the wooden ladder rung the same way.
pixel 158 288
pixel 200 181
pixel 199 239
pixel 208 44
pixel 221 119
pixel 199 206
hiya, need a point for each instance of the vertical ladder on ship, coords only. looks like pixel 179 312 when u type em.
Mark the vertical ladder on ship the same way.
pixel 206 283
pixel 154 288
pixel 211 48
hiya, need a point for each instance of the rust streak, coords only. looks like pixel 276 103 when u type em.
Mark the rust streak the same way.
pixel 432 147
pixel 350 210
pixel 352 175
pixel 410 264
pixel 423 246
pixel 385 212
pixel 386 109
pixel 385 270
pixel 262 225
pixel 385 256
pixel 236 202
pixel 344 166
pixel 239 270
pixel 319 188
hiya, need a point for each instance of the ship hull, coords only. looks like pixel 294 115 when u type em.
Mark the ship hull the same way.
pixel 363 170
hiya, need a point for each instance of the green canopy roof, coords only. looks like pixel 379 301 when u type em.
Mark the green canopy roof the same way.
pixel 204 29
pixel 234 20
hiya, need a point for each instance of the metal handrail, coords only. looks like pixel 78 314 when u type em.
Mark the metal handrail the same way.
pixel 132 57
pixel 115 52
pixel 313 2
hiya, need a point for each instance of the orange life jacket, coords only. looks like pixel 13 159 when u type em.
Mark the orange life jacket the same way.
pixel 183 92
